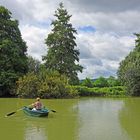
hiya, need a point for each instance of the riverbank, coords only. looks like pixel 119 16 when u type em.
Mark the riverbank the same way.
pixel 83 91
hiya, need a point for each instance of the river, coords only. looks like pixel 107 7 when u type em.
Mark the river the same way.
pixel 76 119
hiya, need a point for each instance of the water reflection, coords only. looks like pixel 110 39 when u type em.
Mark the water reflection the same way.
pixel 64 125
pixel 98 119
pixel 130 117
pixel 33 131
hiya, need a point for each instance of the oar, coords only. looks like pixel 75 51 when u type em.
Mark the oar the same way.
pixel 11 113
pixel 53 111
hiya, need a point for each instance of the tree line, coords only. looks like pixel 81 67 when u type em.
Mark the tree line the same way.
pixel 57 77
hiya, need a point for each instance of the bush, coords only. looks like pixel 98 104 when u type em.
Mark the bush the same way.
pixel 47 84
pixel 27 86
pixel 105 91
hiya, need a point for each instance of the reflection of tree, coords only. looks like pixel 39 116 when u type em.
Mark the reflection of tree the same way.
pixel 35 130
pixel 64 125
pixel 130 117
pixel 99 119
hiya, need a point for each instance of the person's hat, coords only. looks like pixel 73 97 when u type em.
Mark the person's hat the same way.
pixel 38 99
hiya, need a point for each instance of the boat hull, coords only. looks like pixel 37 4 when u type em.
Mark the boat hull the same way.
pixel 36 113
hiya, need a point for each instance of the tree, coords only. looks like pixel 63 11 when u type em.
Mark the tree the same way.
pixel 27 86
pixel 129 70
pixel 13 59
pixel 33 64
pixel 62 55
pixel 112 81
pixel 87 82
pixel 100 82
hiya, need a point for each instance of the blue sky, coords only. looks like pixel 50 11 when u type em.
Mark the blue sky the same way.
pixel 105 29
pixel 86 29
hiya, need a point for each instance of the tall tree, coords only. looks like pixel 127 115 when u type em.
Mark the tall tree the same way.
pixel 62 54
pixel 129 70
pixel 13 60
pixel 33 64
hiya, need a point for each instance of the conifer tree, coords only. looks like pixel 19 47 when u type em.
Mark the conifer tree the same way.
pixel 62 53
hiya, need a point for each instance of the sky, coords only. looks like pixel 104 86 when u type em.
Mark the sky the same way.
pixel 105 30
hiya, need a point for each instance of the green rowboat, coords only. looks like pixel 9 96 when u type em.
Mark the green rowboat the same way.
pixel 36 113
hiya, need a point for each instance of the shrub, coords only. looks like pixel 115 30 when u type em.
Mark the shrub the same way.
pixel 27 86
pixel 105 91
pixel 47 84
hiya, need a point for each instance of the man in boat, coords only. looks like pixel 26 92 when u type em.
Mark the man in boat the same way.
pixel 37 105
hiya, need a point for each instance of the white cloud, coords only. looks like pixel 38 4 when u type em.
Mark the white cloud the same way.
pixel 35 39
pixel 123 23
pixel 105 52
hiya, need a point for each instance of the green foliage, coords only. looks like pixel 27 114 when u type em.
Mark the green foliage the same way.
pixel 112 81
pixel 133 81
pixel 100 82
pixel 87 82
pixel 52 85
pixel 62 55
pixel 27 86
pixel 46 84
pixel 13 60
pixel 33 64
pixel 129 70
pixel 105 91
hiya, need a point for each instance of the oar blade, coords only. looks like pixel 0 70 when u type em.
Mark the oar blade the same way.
pixel 53 111
pixel 9 114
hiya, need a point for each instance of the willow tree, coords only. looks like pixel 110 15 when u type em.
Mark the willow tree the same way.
pixel 62 54
pixel 13 60
pixel 129 70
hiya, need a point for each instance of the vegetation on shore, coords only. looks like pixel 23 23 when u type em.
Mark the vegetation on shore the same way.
pixel 101 87
pixel 129 70
pixel 51 84
pixel 45 84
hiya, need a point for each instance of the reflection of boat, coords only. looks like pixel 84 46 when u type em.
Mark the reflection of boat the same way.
pixel 36 113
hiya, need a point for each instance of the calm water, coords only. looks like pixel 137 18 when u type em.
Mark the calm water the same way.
pixel 76 119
